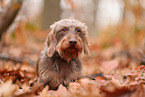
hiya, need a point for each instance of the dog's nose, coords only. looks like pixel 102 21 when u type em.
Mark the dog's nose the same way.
pixel 72 41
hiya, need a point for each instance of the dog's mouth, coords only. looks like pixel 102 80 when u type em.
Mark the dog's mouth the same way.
pixel 71 47
pixel 71 51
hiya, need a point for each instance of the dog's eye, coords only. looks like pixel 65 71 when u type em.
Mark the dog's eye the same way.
pixel 78 30
pixel 64 29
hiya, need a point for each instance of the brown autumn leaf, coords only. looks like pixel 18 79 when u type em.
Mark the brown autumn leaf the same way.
pixel 44 92
pixel 140 67
pixel 108 66
pixel 26 67
pixel 7 89
pixel 61 92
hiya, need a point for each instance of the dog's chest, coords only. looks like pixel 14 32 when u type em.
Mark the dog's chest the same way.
pixel 63 72
pixel 65 69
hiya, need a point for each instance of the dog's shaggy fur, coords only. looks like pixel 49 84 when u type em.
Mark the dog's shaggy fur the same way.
pixel 59 62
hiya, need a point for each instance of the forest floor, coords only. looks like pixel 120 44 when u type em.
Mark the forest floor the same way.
pixel 117 56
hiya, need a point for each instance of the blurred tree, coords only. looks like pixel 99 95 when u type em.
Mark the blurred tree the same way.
pixel 51 13
pixel 8 15
pixel 83 10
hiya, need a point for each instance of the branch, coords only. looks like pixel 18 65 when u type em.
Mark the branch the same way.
pixel 8 15
pixel 17 60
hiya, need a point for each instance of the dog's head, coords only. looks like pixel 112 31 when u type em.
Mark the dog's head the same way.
pixel 68 37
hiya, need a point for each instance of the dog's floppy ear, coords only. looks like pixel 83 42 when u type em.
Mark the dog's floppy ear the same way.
pixel 86 45
pixel 85 41
pixel 51 41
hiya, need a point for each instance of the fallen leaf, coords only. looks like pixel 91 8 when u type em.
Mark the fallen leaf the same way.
pixel 108 66
pixel 7 89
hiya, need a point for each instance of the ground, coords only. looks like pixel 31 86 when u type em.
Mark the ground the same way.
pixel 116 59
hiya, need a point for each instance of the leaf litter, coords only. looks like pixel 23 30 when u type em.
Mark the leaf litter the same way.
pixel 122 71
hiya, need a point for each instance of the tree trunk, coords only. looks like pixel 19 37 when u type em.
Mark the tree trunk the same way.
pixel 51 13
pixel 8 15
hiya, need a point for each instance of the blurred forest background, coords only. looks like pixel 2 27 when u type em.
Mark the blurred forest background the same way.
pixel 119 23
pixel 116 37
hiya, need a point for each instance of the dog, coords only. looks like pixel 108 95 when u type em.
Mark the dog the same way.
pixel 59 62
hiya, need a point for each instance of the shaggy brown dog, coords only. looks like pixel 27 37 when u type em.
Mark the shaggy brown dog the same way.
pixel 59 62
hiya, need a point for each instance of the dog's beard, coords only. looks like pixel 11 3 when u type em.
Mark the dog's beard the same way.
pixel 69 52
